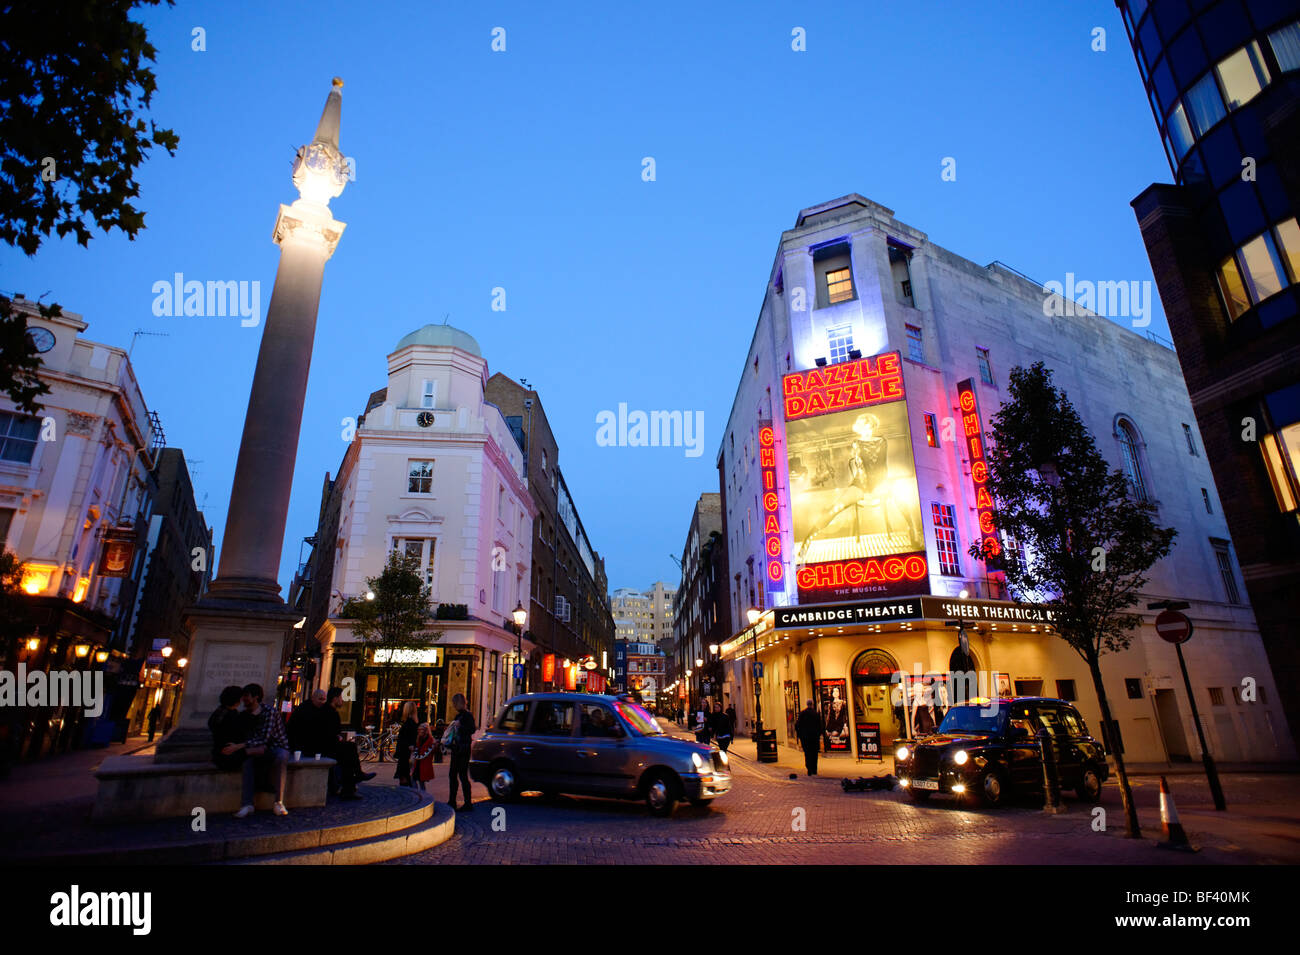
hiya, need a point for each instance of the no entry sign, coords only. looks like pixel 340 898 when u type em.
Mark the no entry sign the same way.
pixel 1173 626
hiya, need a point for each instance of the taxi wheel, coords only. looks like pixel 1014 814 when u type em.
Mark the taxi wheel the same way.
pixel 1090 785
pixel 503 784
pixel 992 788
pixel 661 795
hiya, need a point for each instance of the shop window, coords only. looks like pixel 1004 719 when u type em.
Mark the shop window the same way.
pixel 18 434
pixel 1065 690
pixel 419 477
pixel 1133 687
pixel 1243 75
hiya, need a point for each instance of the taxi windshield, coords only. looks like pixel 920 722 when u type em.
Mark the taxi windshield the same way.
pixel 639 719
pixel 971 719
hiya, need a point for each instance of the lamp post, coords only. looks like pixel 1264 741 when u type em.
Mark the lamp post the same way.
pixel 520 616
pixel 753 614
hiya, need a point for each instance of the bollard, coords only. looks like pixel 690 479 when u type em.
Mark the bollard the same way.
pixel 1051 779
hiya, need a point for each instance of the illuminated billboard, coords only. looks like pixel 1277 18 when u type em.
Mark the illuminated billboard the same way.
pixel 854 507
pixel 773 555
pixel 972 430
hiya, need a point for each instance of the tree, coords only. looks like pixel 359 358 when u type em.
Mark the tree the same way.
pixel 1084 539
pixel 72 81
pixel 20 363
pixel 15 622
pixel 397 618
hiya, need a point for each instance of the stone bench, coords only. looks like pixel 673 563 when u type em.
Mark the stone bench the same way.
pixel 136 787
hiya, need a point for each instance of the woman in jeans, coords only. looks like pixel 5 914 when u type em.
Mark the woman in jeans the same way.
pixel 405 741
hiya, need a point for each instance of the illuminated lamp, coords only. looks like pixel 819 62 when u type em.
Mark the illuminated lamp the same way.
pixel 166 651
pixel 183 662
pixel 82 650
pixel 79 594
pixel 34 644
pixel 36 579
pixel 753 615
pixel 101 656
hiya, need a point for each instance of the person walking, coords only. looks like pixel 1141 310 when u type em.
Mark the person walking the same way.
pixel 731 715
pixel 809 728
pixel 154 714
pixel 405 741
pixel 457 740
pixel 723 727
pixel 422 757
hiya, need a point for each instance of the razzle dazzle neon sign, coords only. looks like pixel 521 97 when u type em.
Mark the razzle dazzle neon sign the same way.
pixel 773 556
pixel 972 429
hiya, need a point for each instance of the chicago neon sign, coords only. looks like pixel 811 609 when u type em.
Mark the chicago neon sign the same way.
pixel 843 386
pixel 972 429
pixel 772 548
pixel 862 572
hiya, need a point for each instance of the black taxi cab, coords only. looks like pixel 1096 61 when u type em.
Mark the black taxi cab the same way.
pixel 989 749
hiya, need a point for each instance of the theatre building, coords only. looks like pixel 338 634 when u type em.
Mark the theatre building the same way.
pixel 852 473
pixel 433 471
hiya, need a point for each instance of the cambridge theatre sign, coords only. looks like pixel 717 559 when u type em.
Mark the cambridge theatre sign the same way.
pixel 911 608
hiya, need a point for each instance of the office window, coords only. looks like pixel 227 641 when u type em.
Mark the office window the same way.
pixel 986 370
pixel 429 394
pixel 1224 558
pixel 1286 46
pixel 1262 267
pixel 1128 444
pixel 1281 452
pixel 1205 496
pixel 1065 690
pixel 931 431
pixel 1205 104
pixel 840 341
pixel 1180 133
pixel 1216 695
pixel 1232 288
pixel 1133 687
pixel 420 478
pixel 18 434
pixel 1243 75
pixel 915 344
pixel 839 286
pixel 945 538
pixel 1288 242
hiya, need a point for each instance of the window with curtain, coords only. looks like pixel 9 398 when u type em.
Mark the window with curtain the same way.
pixel 1205 104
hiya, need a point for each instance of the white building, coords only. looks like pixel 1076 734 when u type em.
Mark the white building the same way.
pixel 434 471
pixel 851 282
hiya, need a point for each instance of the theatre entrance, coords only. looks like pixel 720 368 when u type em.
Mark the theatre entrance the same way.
pixel 877 702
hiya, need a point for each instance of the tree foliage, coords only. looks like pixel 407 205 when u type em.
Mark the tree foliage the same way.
pixel 15 622
pixel 19 361
pixel 73 85
pixel 398 616
pixel 1089 540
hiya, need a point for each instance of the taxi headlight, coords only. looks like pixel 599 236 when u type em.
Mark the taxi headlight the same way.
pixel 696 761
pixel 960 757
pixel 902 753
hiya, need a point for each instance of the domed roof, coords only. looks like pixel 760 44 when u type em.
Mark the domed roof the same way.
pixel 444 335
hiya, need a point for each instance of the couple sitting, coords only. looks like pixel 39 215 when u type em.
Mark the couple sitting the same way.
pixel 315 728
pixel 251 739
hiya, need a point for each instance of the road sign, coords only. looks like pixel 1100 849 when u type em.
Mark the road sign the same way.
pixel 519 671
pixel 758 670
pixel 1174 627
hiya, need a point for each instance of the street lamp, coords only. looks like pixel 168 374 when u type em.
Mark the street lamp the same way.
pixel 166 651
pixel 753 613
pixel 520 616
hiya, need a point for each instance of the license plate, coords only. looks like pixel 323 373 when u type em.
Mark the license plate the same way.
pixel 925 784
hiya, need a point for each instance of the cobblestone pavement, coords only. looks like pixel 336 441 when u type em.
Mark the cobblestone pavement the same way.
pixel 757 823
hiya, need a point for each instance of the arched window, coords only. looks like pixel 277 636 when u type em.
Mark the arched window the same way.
pixel 1128 445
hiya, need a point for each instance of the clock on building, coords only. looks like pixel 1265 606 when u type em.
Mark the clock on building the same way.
pixel 42 339
pixel 424 419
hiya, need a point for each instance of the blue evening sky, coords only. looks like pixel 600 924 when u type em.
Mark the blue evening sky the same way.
pixel 522 170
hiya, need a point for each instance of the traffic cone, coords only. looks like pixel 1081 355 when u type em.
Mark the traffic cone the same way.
pixel 1175 837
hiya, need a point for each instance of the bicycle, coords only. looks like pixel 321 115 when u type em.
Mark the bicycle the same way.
pixel 374 745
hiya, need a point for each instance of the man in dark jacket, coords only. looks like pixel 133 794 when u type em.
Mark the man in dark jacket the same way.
pixel 229 730
pixel 808 727
pixel 465 727
pixel 310 727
